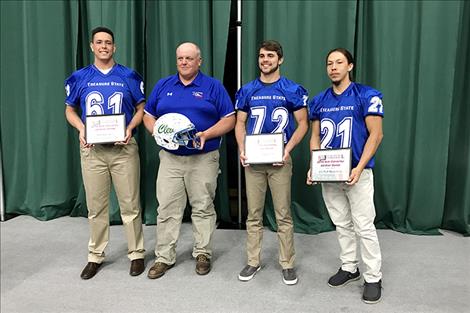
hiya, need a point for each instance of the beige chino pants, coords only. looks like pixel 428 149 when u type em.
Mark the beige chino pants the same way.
pixel 180 178
pixel 119 164
pixel 258 177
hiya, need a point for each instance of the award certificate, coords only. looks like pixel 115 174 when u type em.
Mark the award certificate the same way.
pixel 331 165
pixel 264 148
pixel 105 128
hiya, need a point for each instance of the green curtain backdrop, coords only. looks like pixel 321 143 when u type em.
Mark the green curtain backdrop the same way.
pixel 40 162
pixel 45 41
pixel 415 52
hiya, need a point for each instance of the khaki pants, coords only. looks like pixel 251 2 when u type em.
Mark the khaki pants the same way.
pixel 102 164
pixel 181 178
pixel 352 210
pixel 279 180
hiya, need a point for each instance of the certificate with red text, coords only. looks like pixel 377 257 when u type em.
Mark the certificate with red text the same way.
pixel 331 165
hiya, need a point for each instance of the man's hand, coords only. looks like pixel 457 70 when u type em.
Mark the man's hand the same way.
pixel 354 177
pixel 200 140
pixel 285 158
pixel 309 179
pixel 126 139
pixel 83 143
pixel 243 159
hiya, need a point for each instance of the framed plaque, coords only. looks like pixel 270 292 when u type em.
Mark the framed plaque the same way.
pixel 264 148
pixel 105 128
pixel 331 165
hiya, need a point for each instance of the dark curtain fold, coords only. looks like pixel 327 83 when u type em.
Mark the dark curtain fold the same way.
pixel 415 52
pixel 457 201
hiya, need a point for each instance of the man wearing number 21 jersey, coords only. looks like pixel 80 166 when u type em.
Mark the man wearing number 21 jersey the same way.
pixel 270 104
pixel 349 115
pixel 106 87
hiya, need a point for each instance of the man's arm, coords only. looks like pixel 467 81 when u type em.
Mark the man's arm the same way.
pixel 72 117
pixel 314 144
pixel 223 126
pixel 299 133
pixel 374 126
pixel 149 122
pixel 135 121
pixel 240 133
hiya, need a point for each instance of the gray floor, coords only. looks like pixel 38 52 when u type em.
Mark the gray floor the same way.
pixel 41 263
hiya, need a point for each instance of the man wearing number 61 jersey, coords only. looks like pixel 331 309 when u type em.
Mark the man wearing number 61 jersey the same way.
pixel 270 104
pixel 349 115
pixel 106 87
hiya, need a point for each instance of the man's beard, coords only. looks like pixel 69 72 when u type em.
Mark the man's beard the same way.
pixel 272 70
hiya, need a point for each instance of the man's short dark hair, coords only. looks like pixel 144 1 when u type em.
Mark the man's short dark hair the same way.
pixel 344 52
pixel 272 45
pixel 101 29
pixel 347 55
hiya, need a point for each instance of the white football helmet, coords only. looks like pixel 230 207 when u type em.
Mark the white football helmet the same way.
pixel 172 130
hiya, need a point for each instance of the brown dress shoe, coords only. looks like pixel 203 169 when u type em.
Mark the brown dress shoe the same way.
pixel 90 270
pixel 203 264
pixel 158 270
pixel 137 267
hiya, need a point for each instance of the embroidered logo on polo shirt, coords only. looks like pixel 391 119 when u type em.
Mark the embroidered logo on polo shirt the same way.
pixel 169 94
pixel 198 94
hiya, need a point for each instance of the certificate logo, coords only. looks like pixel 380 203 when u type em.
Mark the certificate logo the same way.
pixel 321 158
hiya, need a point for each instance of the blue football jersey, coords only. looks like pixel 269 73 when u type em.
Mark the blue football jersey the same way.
pixel 204 102
pixel 342 118
pixel 270 107
pixel 116 92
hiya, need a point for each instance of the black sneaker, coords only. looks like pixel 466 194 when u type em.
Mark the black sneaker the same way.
pixel 343 277
pixel 289 277
pixel 248 272
pixel 372 292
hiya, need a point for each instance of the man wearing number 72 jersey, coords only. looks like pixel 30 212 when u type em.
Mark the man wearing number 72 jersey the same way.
pixel 106 87
pixel 349 115
pixel 270 104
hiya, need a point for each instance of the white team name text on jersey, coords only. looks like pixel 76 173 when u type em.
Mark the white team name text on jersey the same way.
pixel 105 84
pixel 340 108
pixel 274 97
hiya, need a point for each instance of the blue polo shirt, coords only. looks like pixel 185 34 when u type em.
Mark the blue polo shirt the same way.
pixel 204 101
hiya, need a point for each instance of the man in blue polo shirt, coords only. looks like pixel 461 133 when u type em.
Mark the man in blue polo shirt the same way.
pixel 188 173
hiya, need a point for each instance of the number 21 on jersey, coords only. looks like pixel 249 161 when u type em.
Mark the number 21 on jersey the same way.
pixel 329 131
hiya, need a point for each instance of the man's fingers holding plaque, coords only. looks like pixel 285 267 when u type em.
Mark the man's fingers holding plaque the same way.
pixel 243 159
pixel 126 139
pixel 309 179
pixel 83 142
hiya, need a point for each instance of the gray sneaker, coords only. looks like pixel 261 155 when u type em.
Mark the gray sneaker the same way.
pixel 289 277
pixel 248 272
